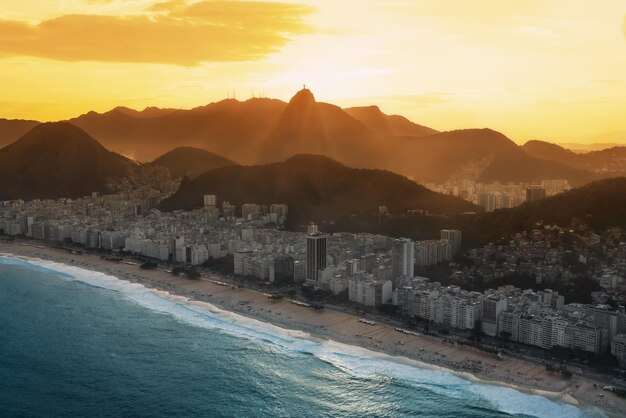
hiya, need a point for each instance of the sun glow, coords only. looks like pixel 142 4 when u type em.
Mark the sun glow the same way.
pixel 551 69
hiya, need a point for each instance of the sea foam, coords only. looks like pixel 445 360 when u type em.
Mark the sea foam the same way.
pixel 356 361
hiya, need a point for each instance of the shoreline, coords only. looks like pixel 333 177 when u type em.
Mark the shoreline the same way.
pixel 424 351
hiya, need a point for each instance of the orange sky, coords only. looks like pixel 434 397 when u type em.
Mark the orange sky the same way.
pixel 550 69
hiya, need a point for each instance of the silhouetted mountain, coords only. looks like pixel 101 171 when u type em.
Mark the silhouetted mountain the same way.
pixel 57 160
pixel 482 154
pixel 262 131
pixel 12 129
pixel 609 160
pixel 308 127
pixel 229 128
pixel 600 204
pixel 190 162
pixel 396 125
pixel 551 152
pixel 148 112
pixel 315 188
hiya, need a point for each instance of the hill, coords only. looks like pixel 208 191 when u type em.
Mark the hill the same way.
pixel 600 204
pixel 315 188
pixel 606 161
pixel 306 126
pixel 55 160
pixel 190 162
pixel 12 129
pixel 480 154
pixel 229 128
pixel 396 125
pixel 262 131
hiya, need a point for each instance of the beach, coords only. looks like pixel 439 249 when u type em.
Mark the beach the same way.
pixel 346 328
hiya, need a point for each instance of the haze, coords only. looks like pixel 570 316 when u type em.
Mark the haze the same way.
pixel 553 70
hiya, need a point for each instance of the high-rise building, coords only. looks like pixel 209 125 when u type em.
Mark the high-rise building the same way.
pixel 250 211
pixel 618 349
pixel 402 258
pixel 493 306
pixel 210 200
pixel 315 254
pixel 283 270
pixel 487 200
pixel 279 209
pixel 228 210
pixel 535 193
pixel 454 236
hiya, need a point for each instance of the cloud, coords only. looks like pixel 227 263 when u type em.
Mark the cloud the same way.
pixel 172 32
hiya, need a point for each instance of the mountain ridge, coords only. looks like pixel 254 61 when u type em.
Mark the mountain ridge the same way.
pixel 316 188
pixel 58 159
pixel 190 161
pixel 261 131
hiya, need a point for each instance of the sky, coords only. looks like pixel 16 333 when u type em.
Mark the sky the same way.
pixel 549 69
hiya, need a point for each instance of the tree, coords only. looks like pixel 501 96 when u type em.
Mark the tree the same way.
pixel 178 270
pixel 148 265
pixel 192 273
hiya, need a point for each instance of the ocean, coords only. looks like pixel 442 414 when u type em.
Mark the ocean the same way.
pixel 77 343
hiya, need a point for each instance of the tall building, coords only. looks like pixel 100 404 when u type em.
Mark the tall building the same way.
pixel 402 258
pixel 250 210
pixel 210 200
pixel 535 193
pixel 454 236
pixel 228 210
pixel 618 349
pixel 487 200
pixel 315 254
pixel 279 209
pixel 283 270
pixel 493 306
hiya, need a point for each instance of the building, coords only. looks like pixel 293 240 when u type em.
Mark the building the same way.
pixel 487 200
pixel 210 200
pixel 535 193
pixel 367 291
pixel 493 305
pixel 283 270
pixel 618 349
pixel 402 258
pixel 279 209
pixel 250 211
pixel 454 237
pixel 315 254
pixel 112 240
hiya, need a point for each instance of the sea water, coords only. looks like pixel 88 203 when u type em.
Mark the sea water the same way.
pixel 79 343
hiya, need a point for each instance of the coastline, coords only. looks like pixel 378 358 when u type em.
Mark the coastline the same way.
pixel 344 328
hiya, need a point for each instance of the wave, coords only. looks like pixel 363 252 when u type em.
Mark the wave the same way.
pixel 356 361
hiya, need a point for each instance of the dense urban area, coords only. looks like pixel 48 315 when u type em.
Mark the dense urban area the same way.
pixel 437 285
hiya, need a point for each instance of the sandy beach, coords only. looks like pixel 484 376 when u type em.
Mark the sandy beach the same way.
pixel 466 361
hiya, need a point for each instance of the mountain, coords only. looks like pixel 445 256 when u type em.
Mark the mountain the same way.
pixel 229 128
pixel 596 146
pixel 600 204
pixel 55 160
pixel 148 112
pixel 608 160
pixel 480 154
pixel 306 126
pixel 396 125
pixel 315 188
pixel 190 162
pixel 262 131
pixel 552 152
pixel 12 129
